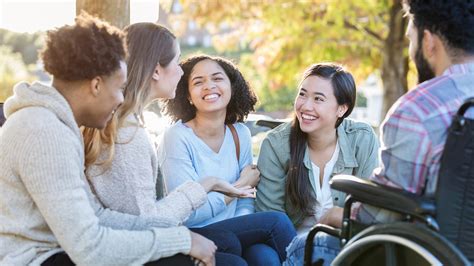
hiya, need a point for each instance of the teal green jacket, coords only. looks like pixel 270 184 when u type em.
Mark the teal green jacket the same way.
pixel 358 156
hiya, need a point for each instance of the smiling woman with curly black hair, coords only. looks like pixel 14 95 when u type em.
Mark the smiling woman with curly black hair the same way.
pixel 242 100
pixel 212 98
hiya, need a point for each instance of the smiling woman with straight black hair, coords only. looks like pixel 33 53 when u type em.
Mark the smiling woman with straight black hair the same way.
pixel 298 159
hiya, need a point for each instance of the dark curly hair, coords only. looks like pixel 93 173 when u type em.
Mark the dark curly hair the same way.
pixel 452 20
pixel 87 49
pixel 241 103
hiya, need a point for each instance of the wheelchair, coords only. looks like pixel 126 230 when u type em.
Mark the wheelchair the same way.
pixel 433 231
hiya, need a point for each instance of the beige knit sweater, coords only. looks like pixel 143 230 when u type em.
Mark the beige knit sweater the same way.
pixel 46 205
pixel 129 184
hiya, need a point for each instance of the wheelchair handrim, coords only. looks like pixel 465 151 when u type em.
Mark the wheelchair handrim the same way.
pixel 370 240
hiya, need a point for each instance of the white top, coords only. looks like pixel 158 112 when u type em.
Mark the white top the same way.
pixel 324 200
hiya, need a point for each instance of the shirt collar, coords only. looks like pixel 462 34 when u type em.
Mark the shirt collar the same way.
pixel 460 69
pixel 346 153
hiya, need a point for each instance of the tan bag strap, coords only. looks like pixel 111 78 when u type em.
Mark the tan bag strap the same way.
pixel 236 141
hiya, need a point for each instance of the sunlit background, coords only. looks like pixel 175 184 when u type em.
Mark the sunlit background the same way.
pixel 38 15
pixel 272 42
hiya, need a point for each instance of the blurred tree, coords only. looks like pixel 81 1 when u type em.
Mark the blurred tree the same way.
pixel 27 44
pixel 13 70
pixel 116 12
pixel 287 36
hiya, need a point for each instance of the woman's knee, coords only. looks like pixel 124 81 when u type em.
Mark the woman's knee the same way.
pixel 229 259
pixel 278 218
pixel 325 248
pixel 261 254
pixel 226 241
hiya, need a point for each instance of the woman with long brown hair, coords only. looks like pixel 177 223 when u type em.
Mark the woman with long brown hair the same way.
pixel 121 161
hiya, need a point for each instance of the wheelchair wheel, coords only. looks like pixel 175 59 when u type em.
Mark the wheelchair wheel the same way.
pixel 399 244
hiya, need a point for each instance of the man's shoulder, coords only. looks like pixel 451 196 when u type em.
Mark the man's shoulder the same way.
pixel 430 92
pixel 34 119
pixel 436 97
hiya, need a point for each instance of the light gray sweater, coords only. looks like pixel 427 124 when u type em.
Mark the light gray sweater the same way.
pixel 46 205
pixel 129 184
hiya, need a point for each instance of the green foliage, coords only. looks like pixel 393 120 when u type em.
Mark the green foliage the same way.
pixel 18 57
pixel 288 36
pixel 12 70
pixel 361 100
pixel 24 43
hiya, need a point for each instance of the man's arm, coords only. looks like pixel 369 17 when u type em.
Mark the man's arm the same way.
pixel 406 152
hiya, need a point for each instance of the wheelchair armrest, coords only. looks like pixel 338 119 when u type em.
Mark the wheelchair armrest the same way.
pixel 381 196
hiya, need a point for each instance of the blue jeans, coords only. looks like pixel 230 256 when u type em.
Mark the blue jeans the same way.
pixel 62 259
pixel 263 236
pixel 229 250
pixel 325 247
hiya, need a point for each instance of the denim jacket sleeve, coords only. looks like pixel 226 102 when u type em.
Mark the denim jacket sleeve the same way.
pixel 367 155
pixel 273 163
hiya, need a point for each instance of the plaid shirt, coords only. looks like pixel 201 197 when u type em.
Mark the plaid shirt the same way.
pixel 414 133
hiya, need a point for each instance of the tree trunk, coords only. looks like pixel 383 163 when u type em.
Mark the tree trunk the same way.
pixel 395 61
pixel 116 12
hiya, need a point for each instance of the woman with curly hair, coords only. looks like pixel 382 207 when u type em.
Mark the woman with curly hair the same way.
pixel 121 161
pixel 48 213
pixel 208 139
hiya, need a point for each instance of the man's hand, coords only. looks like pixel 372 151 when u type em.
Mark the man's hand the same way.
pixel 333 217
pixel 202 250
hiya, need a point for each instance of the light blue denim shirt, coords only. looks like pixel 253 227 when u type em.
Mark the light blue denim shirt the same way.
pixel 358 156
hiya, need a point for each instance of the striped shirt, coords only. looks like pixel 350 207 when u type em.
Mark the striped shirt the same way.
pixel 414 133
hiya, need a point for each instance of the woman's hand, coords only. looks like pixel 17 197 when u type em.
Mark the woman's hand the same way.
pixel 227 189
pixel 202 250
pixel 224 187
pixel 250 176
pixel 333 217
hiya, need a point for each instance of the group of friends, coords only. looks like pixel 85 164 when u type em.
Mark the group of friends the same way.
pixel 79 173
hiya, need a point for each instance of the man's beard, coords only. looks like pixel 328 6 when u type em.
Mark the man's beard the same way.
pixel 425 72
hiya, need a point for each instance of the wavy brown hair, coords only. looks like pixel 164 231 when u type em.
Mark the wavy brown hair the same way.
pixel 241 103
pixel 148 44
pixel 298 188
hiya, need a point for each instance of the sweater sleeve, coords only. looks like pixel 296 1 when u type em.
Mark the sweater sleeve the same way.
pixel 244 206
pixel 177 166
pixel 129 185
pixel 51 170
pixel 178 205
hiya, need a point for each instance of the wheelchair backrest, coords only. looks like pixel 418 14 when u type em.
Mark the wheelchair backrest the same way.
pixel 2 116
pixel 455 188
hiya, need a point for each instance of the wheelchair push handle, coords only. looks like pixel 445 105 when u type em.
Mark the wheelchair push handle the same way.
pixel 466 105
